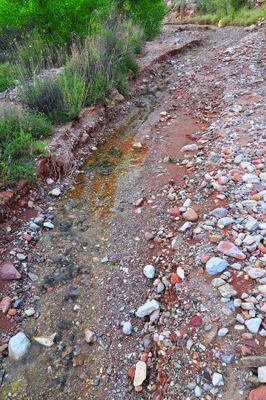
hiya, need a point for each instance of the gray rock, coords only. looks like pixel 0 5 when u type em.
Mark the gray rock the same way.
pixel 18 346
pixel 253 324
pixel 21 256
pixel 251 178
pixel 198 391
pixel 149 271
pixel 227 290
pixel 215 265
pixel 228 359
pixel 38 220
pixel 34 227
pixel 252 225
pixel 219 212
pixel 217 282
pixel 190 147
pixel 147 308
pixel 160 288
pixel 222 222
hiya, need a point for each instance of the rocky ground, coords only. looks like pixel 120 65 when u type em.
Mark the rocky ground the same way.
pixel 146 278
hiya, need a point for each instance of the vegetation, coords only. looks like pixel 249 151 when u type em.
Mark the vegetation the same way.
pixel 95 41
pixel 228 12
pixel 19 142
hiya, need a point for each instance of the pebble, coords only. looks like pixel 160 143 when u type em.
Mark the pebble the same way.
pixel 222 332
pixel 231 250
pixel 55 192
pixel 140 373
pixel 48 225
pixel 90 336
pixel 190 215
pixel 5 304
pixel 262 374
pixel 149 271
pixel 253 324
pixel 127 328
pixel 217 379
pixel 8 271
pixel 21 256
pixel 215 265
pixel 258 393
pixel 18 346
pixel 147 308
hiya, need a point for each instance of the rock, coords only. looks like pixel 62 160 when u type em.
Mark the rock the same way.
pixel 256 273
pixel 215 265
pixel 49 181
pixel 104 260
pixel 27 237
pixel 231 250
pixel 251 178
pixel 174 212
pixel 38 220
pixel 217 379
pixel 252 225
pixel 227 290
pixel 262 289
pixel 137 145
pixel 209 336
pixel 185 226
pixel 127 328
pixel 222 222
pixel 5 304
pixel 251 28
pixel 253 361
pixel 21 256
pixel 8 271
pixel 55 192
pixel 34 227
pixel 258 394
pixel 222 332
pixel 190 215
pixel 147 342
pixel 46 341
pixel 220 212
pixel 228 359
pixel 147 308
pixel 18 346
pixel 190 147
pixel 262 374
pixel 198 391
pixel 180 272
pixel 48 225
pixel 90 336
pixel 253 324
pixel 139 202
pixel 217 282
pixel 140 373
pixel 149 271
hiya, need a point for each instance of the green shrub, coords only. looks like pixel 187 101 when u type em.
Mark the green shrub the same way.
pixel 18 145
pixel 6 76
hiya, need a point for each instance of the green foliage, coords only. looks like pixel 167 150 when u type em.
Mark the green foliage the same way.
pixel 6 76
pixel 18 131
pixel 147 13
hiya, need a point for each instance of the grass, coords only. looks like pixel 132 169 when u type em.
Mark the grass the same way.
pixel 7 77
pixel 20 134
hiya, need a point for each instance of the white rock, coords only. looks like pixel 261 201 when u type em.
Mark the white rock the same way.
pixel 253 324
pixel 55 192
pixel 49 181
pixel 90 336
pixel 185 226
pixel 140 373
pixel 46 341
pixel 148 308
pixel 227 290
pixel 18 346
pixel 127 328
pixel 222 222
pixel 198 391
pixel 149 271
pixel 262 374
pixel 180 272
pixel 217 379
pixel 190 147
pixel 21 256
pixel 222 332
pixel 251 178
pixel 252 225
pixel 48 225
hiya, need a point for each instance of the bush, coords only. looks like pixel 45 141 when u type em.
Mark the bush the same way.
pixel 6 76
pixel 18 144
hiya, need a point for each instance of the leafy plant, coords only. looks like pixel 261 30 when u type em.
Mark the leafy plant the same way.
pixel 17 143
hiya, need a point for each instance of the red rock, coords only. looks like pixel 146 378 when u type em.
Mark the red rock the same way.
pixel 27 237
pixel 204 258
pixel 200 270
pixel 236 177
pixel 174 212
pixel 30 258
pixel 190 215
pixel 258 394
pixel 138 389
pixel 144 357
pixel 175 279
pixel 5 304
pixel 250 343
pixel 215 318
pixel 231 250
pixel 262 248
pixel 8 271
pixel 131 372
pixel 196 320
pixel 246 351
